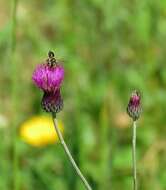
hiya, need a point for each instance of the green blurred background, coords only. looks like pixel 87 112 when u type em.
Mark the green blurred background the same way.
pixel 109 48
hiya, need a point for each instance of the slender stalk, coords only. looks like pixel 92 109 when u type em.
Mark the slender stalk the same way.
pixel 87 186
pixel 134 156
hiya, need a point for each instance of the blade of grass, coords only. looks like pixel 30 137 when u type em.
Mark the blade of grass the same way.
pixel 14 96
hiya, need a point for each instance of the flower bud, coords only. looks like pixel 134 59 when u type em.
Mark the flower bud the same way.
pixel 134 105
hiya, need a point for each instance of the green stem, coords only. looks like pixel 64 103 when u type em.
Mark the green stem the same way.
pixel 87 186
pixel 134 156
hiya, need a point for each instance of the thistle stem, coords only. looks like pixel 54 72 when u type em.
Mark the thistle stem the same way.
pixel 79 173
pixel 134 156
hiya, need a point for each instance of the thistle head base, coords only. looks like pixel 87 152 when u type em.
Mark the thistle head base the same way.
pixel 52 102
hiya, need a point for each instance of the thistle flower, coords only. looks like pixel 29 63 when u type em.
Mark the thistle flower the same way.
pixel 134 105
pixel 134 110
pixel 49 77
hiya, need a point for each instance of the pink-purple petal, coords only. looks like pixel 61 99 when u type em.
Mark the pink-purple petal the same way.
pixel 48 78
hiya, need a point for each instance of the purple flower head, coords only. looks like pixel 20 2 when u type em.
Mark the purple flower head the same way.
pixel 134 105
pixel 49 77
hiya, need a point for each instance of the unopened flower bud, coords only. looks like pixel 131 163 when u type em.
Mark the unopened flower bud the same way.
pixel 134 105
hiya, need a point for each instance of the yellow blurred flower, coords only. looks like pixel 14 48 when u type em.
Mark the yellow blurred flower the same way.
pixel 39 131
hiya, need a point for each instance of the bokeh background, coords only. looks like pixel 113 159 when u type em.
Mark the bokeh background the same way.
pixel 108 48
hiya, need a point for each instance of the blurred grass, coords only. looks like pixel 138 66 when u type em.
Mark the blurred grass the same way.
pixel 109 48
